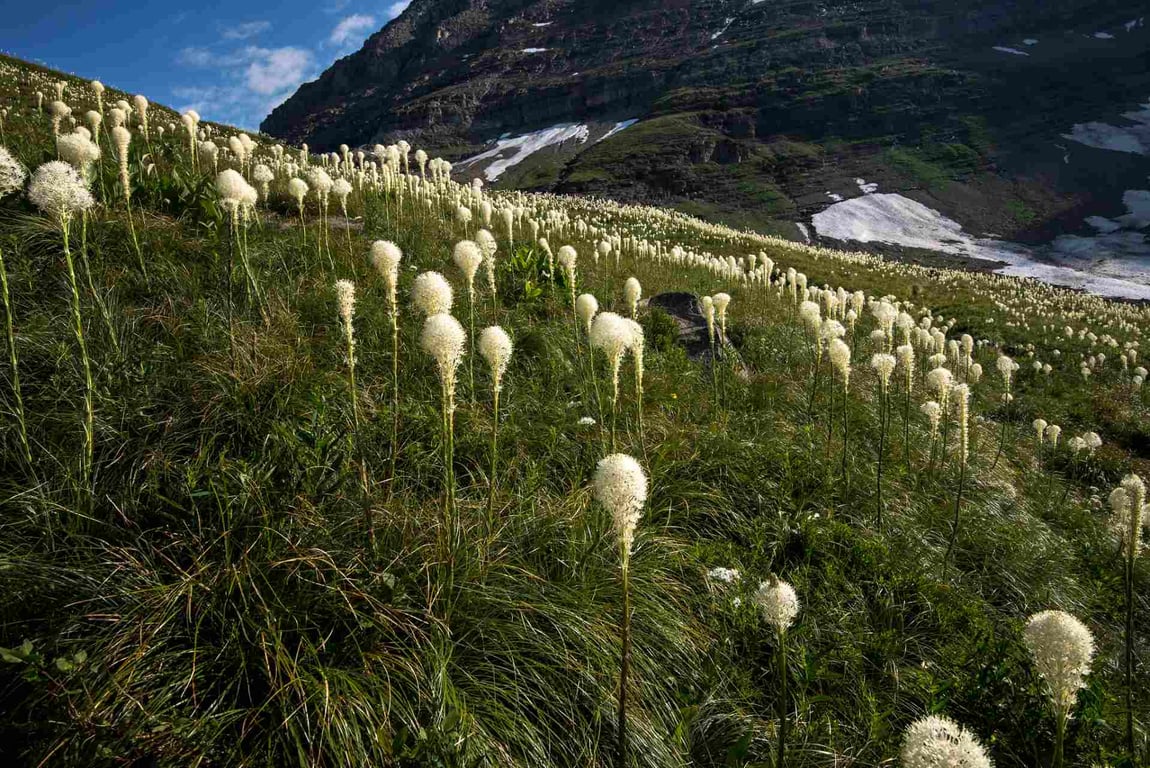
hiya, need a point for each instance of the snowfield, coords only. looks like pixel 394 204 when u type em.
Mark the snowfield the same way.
pixel 509 151
pixel 1114 264
pixel 1134 139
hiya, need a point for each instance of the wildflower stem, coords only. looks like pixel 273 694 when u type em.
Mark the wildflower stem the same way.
pixel 91 285
pixel 1059 738
pixel 881 446
pixel 13 363
pixel 954 522
pixel 89 387
pixel 494 456
pixel 784 704
pixel 1128 660
pixel 394 400
pixel 624 667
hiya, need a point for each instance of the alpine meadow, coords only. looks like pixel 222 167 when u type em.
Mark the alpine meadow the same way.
pixel 344 460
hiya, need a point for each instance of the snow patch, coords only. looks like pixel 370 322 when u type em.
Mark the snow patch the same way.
pixel 543 24
pixel 1014 51
pixel 624 125
pixel 897 220
pixel 804 231
pixel 510 152
pixel 866 188
pixel 534 50
pixel 726 26
pixel 1133 139
pixel 1103 36
pixel 1030 41
pixel 1134 24
pixel 835 196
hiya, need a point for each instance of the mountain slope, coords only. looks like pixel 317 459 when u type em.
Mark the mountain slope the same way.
pixel 762 114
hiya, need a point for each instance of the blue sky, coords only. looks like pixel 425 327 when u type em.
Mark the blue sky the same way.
pixel 230 65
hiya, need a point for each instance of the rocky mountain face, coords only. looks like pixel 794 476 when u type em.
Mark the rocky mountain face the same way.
pixel 759 112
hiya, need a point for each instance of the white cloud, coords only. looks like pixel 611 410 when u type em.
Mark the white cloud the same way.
pixel 246 29
pixel 250 81
pixel 351 29
pixel 193 56
pixel 395 9
pixel 274 70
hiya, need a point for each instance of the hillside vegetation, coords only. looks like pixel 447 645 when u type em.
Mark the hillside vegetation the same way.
pixel 254 515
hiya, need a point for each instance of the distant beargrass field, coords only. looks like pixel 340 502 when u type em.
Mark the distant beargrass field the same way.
pixel 237 578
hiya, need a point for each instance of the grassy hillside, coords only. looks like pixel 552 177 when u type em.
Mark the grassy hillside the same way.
pixel 268 562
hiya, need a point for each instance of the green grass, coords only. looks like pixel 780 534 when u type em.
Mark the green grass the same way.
pixel 214 599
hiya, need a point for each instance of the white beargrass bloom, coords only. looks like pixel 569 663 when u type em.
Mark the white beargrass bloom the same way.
pixel 933 411
pixel 431 293
pixel 1063 648
pixel 722 301
pixel 778 602
pixel 611 335
pixel 1128 502
pixel 883 365
pixel 939 381
pixel 939 742
pixel 141 105
pixel 341 188
pixel 709 315
pixel 345 298
pixel 621 487
pixel 59 111
pixel 974 373
pixel 122 138
pixel 1006 367
pixel 320 182
pixel 57 190
pixel 486 241
pixel 811 315
pixel 298 189
pixel 263 175
pixel 1039 426
pixel 585 307
pixel 905 355
pixel 495 346
pixel 468 257
pixel 1052 433
pixel 445 340
pixel 632 292
pixel 12 173
pixel 840 355
pixel 960 394
pixel 385 257
pixel 231 187
pixel 77 151
pixel 567 258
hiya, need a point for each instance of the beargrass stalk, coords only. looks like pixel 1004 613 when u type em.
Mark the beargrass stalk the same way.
pixel 14 364
pixel 883 365
pixel 621 487
pixel 495 346
pixel 779 606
